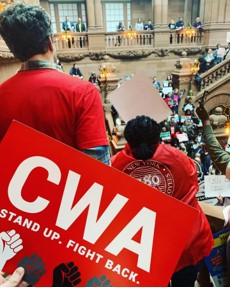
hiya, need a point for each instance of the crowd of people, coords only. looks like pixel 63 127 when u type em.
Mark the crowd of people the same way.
pixel 183 129
pixel 179 24
pixel 213 57
pixel 139 25
pixel 173 25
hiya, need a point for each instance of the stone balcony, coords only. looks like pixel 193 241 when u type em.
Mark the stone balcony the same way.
pixel 129 44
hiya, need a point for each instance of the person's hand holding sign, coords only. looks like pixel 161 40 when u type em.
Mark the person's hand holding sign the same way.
pixel 10 244
pixel 14 280
pixel 66 275
pixel 34 267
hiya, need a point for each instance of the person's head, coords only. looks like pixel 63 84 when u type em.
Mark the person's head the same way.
pixel 182 146
pixel 172 21
pixel 79 20
pixel 149 21
pixel 163 129
pixel 188 112
pixel 67 18
pixel 175 142
pixel 218 46
pixel 142 133
pixel 26 29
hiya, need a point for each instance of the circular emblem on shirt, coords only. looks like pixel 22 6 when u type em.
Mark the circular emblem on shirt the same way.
pixel 152 173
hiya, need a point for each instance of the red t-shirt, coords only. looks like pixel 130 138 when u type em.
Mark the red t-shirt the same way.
pixel 172 172
pixel 57 104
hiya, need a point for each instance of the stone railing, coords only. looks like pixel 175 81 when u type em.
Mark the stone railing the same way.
pixel 185 37
pixel 214 74
pixel 71 40
pixel 129 38
pixel 76 45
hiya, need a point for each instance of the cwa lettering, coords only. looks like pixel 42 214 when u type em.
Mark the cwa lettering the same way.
pixel 144 220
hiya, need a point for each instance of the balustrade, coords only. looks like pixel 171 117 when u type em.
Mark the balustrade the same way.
pixel 214 74
pixel 70 40
pixel 126 39
pixel 185 36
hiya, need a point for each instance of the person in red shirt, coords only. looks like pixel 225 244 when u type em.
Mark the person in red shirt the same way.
pixel 151 160
pixel 40 95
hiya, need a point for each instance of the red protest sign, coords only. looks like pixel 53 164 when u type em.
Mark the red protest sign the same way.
pixel 62 213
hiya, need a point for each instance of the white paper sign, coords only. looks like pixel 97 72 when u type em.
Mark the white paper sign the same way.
pixel 228 37
pixel 216 185
pixel 183 137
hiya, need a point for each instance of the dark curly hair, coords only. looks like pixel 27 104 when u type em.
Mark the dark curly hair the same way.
pixel 25 29
pixel 142 133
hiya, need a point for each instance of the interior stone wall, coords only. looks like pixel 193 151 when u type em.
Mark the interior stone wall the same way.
pixel 150 66
pixel 142 9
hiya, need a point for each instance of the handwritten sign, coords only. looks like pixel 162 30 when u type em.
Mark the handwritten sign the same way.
pixel 221 52
pixel 228 37
pixel 70 219
pixel 182 137
pixel 216 185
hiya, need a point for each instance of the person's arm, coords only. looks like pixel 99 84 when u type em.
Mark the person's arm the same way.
pixel 90 118
pixel 100 153
pixel 218 155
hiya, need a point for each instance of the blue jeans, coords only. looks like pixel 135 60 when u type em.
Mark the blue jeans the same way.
pixel 186 277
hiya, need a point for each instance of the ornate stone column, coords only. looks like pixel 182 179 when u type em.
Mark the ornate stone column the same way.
pixel 160 10
pixel 94 14
pixel 182 76
pixel 215 15
pixel 90 14
pixel 98 14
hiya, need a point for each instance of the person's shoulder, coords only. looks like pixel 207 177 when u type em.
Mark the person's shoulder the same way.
pixel 72 80
pixel 176 154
